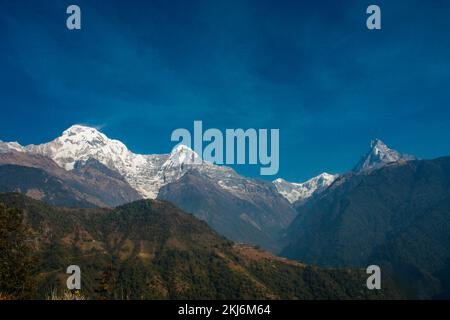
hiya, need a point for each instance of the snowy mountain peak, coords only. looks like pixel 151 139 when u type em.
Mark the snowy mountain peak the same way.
pixel 324 179
pixel 378 156
pixel 83 133
pixel 81 143
pixel 145 173
pixel 183 154
pixel 10 146
pixel 377 143
pixel 378 147
pixel 79 136
pixel 295 192
pixel 180 160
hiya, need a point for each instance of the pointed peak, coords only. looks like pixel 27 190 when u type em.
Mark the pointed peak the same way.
pixel 377 143
pixel 378 156
pixel 322 179
pixel 182 154
pixel 380 149
pixel 326 175
pixel 181 148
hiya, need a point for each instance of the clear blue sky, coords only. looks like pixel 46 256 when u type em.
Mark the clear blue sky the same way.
pixel 140 69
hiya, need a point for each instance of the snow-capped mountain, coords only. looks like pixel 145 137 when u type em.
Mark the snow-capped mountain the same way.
pixel 148 173
pixel 81 143
pixel 95 170
pixel 241 208
pixel 301 191
pixel 378 156
pixel 145 173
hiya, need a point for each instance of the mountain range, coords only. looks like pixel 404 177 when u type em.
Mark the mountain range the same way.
pixel 85 168
pixel 390 210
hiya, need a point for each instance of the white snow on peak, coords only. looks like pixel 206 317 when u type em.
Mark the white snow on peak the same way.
pixel 10 146
pixel 148 173
pixel 378 156
pixel 82 134
pixel 295 192
pixel 182 154
pixel 80 143
pixel 145 173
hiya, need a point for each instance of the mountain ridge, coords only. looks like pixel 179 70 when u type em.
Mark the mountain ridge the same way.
pixel 298 192
pixel 148 173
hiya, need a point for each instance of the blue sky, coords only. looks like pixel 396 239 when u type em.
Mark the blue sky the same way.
pixel 140 69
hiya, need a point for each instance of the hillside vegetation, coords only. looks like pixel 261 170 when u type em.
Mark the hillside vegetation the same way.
pixel 152 250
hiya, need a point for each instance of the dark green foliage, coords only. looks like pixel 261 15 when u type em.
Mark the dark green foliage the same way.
pixel 16 260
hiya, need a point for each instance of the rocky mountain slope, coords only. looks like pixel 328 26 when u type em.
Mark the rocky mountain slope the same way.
pixel 89 184
pixel 257 216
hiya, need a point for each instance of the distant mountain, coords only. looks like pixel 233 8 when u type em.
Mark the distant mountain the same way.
pixel 89 184
pixel 151 250
pixel 299 192
pixel 256 216
pixel 378 156
pixel 397 217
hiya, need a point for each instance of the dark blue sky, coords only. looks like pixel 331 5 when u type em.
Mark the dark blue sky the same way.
pixel 140 69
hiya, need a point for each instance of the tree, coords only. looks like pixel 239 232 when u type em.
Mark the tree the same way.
pixel 16 260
